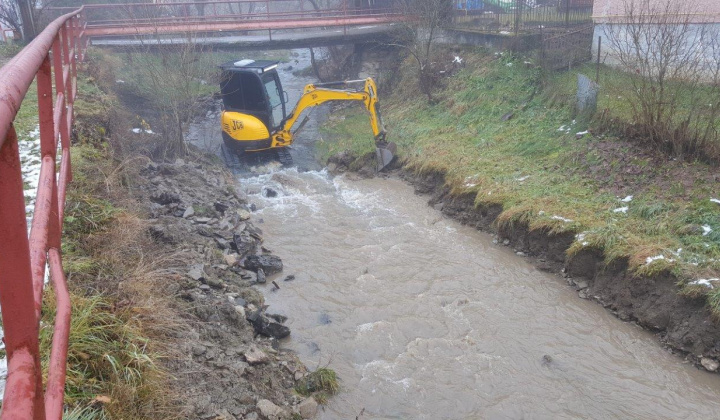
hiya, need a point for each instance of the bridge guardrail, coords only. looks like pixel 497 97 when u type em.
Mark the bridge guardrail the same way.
pixel 51 58
pixel 223 15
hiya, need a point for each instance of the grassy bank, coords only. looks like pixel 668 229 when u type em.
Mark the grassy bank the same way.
pixel 499 132
pixel 114 369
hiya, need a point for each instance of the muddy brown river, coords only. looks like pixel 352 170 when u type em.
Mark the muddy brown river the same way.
pixel 424 318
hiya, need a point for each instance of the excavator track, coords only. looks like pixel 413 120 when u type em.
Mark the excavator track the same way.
pixel 284 156
pixel 232 160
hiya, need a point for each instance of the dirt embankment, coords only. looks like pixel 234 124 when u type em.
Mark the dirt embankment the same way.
pixel 684 324
pixel 234 366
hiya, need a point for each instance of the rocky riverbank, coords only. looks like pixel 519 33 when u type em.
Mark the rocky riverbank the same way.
pixel 235 367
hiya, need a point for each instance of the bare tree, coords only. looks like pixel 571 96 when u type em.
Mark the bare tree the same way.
pixel 21 16
pixel 672 69
pixel 172 78
pixel 419 36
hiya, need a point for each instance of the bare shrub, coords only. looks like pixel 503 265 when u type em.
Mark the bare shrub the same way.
pixel 419 37
pixel 673 67
pixel 172 80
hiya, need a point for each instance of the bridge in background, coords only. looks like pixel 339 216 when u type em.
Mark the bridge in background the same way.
pixel 237 23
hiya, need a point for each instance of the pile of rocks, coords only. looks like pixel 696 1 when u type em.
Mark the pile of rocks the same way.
pixel 234 366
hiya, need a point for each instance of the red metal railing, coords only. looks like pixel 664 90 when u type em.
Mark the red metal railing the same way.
pixel 224 15
pixel 50 59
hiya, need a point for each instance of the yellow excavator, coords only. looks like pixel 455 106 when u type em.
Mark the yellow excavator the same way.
pixel 255 116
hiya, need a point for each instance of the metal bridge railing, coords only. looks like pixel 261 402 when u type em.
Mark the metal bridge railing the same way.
pixel 224 15
pixel 50 59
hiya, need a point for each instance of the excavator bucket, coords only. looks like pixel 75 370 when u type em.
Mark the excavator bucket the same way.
pixel 385 153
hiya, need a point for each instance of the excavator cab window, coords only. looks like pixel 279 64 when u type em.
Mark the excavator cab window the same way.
pixel 276 98
pixel 244 92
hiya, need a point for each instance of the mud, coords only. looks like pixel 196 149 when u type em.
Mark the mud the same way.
pixel 683 324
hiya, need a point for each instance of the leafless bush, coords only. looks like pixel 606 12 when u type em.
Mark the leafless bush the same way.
pixel 172 79
pixel 674 74
pixel 419 37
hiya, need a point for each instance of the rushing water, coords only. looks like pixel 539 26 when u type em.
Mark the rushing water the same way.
pixel 423 318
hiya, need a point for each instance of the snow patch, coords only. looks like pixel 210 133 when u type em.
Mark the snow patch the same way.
pixel 523 178
pixel 580 237
pixel 457 59
pixel 581 133
pixel 650 260
pixel 620 210
pixel 627 199
pixel 704 282
pixel 142 130
pixel 706 229
pixel 563 219
pixel 715 200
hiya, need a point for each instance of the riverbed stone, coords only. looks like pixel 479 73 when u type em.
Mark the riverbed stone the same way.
pixel 269 192
pixel 710 364
pixel 270 264
pixel 243 214
pixel 264 326
pixel 261 276
pixel 255 356
pixel 308 408
pixel 268 410
pixel 231 259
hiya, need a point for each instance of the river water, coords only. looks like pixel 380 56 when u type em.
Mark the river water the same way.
pixel 423 318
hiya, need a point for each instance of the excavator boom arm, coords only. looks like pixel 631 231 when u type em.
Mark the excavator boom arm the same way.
pixel 317 94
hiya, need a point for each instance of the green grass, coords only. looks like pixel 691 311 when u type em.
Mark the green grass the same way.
pixel 321 384
pixel 539 173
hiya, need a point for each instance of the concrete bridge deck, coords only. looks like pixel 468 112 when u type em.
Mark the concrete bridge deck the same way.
pixel 257 40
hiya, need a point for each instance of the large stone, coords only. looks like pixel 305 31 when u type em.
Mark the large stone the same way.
pixel 244 244
pixel 270 264
pixel 243 214
pixel 255 356
pixel 264 326
pixel 308 408
pixel 188 212
pixel 270 411
pixel 710 364
pixel 269 192
pixel 197 272
pixel 231 259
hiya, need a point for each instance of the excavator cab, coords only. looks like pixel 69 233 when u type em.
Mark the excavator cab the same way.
pixel 255 115
pixel 254 104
